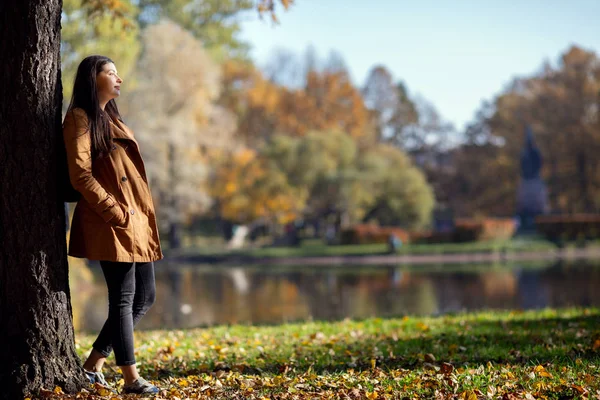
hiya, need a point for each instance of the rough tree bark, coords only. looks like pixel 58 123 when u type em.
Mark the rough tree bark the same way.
pixel 36 330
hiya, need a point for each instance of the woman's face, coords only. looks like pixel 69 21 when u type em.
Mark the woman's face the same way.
pixel 108 83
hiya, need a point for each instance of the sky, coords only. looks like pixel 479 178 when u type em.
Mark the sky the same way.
pixel 454 53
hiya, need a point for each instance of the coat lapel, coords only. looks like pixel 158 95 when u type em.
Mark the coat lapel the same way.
pixel 121 132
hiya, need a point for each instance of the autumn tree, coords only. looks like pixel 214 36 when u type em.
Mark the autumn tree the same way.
pixel 477 181
pixel 323 178
pixel 390 104
pixel 324 164
pixel 412 124
pixel 309 119
pixel 408 121
pixel 560 103
pixel 249 188
pixel 351 185
pixel 399 192
pixel 326 101
pixel 252 98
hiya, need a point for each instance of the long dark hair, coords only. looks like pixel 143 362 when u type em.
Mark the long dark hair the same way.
pixel 85 96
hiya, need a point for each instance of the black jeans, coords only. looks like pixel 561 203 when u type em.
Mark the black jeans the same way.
pixel 131 292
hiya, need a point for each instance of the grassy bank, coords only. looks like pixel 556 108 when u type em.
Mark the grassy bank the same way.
pixel 316 248
pixel 545 354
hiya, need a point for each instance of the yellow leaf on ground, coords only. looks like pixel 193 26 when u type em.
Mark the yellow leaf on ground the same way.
pixel 183 382
pixel 468 395
pixel 545 374
pixel 422 326
pixel 101 390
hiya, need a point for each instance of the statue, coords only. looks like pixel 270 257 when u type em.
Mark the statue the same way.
pixel 531 160
pixel 532 197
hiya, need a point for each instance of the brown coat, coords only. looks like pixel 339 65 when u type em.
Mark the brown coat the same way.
pixel 114 220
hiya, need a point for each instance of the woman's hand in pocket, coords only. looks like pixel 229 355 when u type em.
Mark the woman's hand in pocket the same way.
pixel 119 216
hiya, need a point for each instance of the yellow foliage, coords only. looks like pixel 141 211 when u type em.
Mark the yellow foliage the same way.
pixel 329 101
pixel 247 190
pixel 118 10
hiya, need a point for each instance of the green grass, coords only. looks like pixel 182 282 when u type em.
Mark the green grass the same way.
pixel 549 354
pixel 314 248
pixel 318 248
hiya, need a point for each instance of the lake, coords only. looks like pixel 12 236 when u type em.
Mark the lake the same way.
pixel 202 295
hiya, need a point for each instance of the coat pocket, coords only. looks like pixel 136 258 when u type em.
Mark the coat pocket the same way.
pixel 122 220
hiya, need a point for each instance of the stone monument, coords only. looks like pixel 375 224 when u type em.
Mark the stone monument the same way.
pixel 532 197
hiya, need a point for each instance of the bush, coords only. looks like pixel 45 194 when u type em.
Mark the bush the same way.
pixel 368 234
pixel 560 228
pixel 431 237
pixel 470 230
pixel 467 230
pixel 490 228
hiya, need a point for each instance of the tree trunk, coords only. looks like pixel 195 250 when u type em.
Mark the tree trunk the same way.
pixel 587 205
pixel 36 330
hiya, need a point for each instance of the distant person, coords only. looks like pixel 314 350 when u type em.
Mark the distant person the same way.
pixel 394 243
pixel 114 220
pixel 330 234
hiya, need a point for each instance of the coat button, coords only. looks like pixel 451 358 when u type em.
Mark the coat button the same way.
pixel 132 212
pixel 123 179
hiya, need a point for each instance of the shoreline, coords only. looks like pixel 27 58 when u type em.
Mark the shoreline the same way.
pixel 387 259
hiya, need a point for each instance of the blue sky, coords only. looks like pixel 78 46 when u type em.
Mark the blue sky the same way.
pixel 453 53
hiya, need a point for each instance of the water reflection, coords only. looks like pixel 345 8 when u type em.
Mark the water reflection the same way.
pixel 194 295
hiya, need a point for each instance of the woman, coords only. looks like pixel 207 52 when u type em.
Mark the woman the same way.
pixel 114 220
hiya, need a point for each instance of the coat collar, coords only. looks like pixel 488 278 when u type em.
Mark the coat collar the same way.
pixel 121 131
